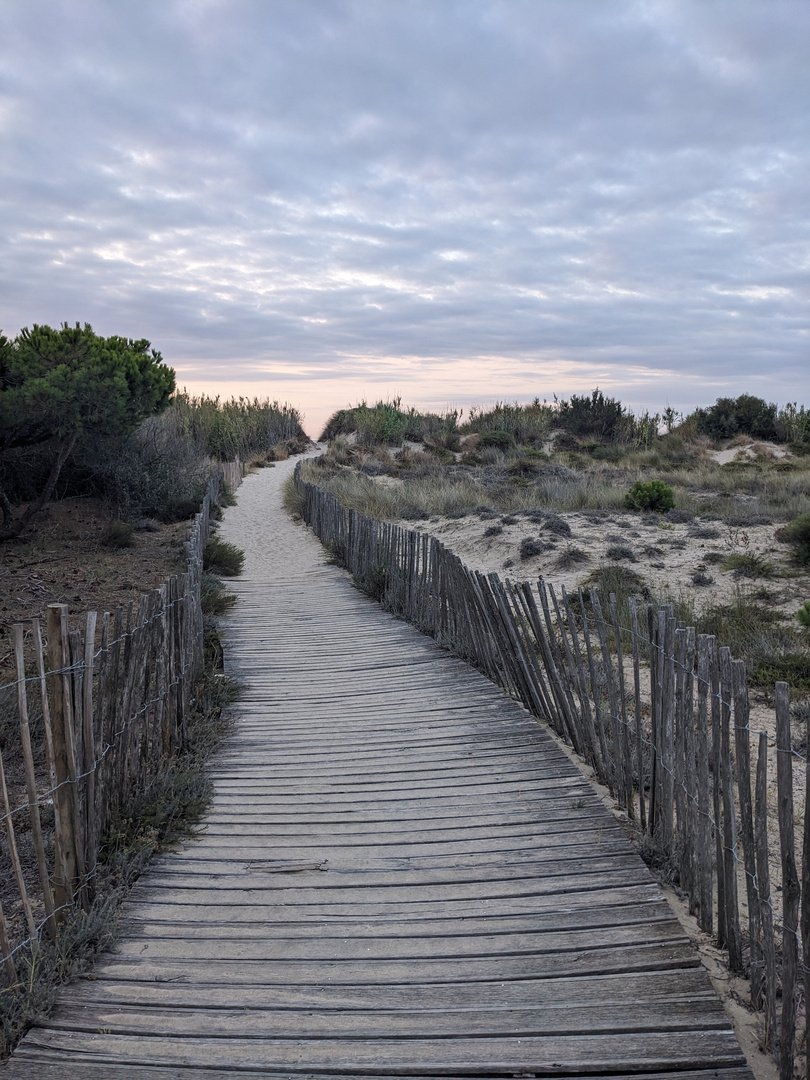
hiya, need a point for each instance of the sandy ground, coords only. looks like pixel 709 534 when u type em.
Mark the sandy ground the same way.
pixel 668 557
pixel 273 543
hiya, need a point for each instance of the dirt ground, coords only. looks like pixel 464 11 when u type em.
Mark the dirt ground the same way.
pixel 62 559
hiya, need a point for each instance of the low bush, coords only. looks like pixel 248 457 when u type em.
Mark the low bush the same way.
pixel 803 615
pixel 118 534
pixel 555 524
pixel 650 495
pixel 387 424
pixel 526 424
pixel 620 553
pixel 746 564
pixel 597 416
pixel 222 557
pixel 497 440
pixel 572 556
pixel 791 667
pixel 797 534
pixel 529 547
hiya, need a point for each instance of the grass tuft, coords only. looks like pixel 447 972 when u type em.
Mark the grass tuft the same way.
pixel 222 557
pixel 118 534
pixel 748 565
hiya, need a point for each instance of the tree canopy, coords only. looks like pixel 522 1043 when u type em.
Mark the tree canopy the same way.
pixel 57 386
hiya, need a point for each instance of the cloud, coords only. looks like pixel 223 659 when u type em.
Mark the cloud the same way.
pixel 621 188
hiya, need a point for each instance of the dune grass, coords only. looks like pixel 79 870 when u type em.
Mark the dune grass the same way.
pixel 566 482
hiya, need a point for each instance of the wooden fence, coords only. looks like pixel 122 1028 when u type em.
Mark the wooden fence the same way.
pixel 110 703
pixel 660 713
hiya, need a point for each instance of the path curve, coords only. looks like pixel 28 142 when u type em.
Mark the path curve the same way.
pixel 401 875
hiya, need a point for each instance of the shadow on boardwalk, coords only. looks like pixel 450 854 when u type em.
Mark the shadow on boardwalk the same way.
pixel 400 875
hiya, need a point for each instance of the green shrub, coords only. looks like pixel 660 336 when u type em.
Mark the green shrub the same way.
pixel 792 667
pixel 600 417
pixel 797 534
pixel 803 615
pixel 650 495
pixel 387 424
pixel 118 534
pixel 497 440
pixel 221 557
pixel 525 423
pixel 746 564
pixel 745 415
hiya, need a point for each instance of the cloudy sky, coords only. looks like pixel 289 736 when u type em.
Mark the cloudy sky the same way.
pixel 455 201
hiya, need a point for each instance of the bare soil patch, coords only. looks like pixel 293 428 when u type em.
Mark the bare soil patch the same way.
pixel 63 560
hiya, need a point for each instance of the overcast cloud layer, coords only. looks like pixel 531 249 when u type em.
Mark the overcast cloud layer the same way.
pixel 454 200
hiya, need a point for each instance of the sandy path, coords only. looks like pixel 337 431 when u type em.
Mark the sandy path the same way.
pixel 259 525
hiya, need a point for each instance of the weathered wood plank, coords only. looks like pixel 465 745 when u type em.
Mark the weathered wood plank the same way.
pixel 401 874
pixel 553 1055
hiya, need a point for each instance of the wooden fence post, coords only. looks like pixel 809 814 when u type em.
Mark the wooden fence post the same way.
pixel 791 888
pixel 742 744
pixel 68 869
pixel 764 891
pixel 30 779
pixel 704 838
pixel 733 942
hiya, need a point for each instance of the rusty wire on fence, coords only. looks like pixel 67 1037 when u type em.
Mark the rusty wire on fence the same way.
pixel 112 709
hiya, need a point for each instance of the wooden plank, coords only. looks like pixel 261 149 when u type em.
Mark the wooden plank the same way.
pixel 34 1070
pixel 560 1019
pixel 401 873
pixel 555 1054
pixel 656 987
pixel 631 959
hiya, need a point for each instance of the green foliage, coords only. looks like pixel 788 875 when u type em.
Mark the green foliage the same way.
pixel 387 424
pixel 792 667
pixel 747 564
pixel 617 579
pixel 794 426
pixel 69 387
pixel 238 427
pixel 497 439
pixel 650 495
pixel 572 556
pixel 222 557
pixel 797 534
pixel 162 468
pixel 598 416
pixel 745 415
pixel 525 423
pixel 292 499
pixel 374 583
pixel 744 624
pixel 59 383
pixel 803 615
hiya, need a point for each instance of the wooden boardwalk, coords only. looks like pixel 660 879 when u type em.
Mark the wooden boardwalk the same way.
pixel 401 875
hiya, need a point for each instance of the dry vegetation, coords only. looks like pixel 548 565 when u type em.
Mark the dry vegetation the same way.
pixel 541 491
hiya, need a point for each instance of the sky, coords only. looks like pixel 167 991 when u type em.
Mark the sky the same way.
pixel 450 201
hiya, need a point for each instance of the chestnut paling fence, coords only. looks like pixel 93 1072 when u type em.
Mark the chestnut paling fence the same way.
pixel 660 713
pixel 110 704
